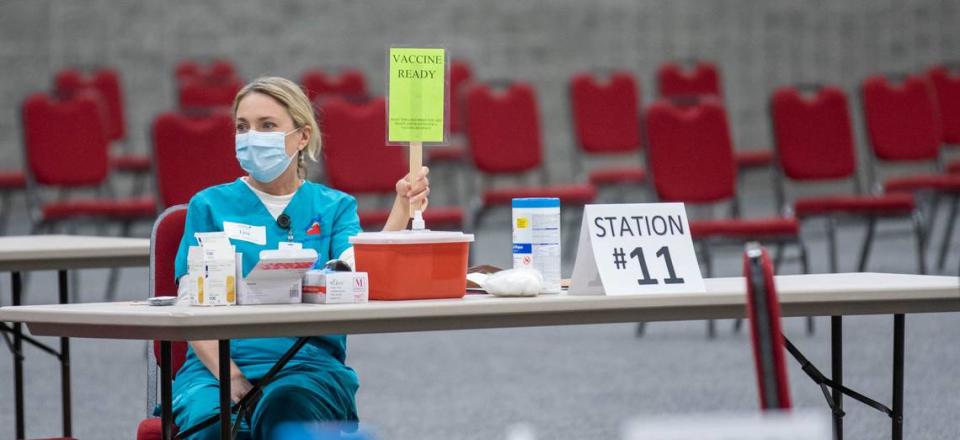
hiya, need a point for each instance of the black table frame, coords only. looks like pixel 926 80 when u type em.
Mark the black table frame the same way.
pixel 16 348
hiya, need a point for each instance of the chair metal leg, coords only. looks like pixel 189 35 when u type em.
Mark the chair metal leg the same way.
pixel 948 232
pixel 867 242
pixel 777 258
pixel 921 242
pixel 932 212
pixel 805 268
pixel 708 270
pixel 832 243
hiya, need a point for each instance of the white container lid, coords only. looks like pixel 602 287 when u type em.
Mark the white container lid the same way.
pixel 411 237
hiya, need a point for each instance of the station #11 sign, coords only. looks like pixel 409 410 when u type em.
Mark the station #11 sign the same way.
pixel 416 85
pixel 635 248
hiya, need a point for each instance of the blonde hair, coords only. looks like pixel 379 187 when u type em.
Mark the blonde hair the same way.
pixel 291 97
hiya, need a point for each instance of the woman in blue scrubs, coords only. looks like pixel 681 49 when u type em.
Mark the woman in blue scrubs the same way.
pixel 272 204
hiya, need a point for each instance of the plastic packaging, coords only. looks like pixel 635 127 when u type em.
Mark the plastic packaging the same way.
pixel 514 282
pixel 536 239
pixel 413 264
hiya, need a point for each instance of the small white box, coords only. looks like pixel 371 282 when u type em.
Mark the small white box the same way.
pixel 212 271
pixel 322 287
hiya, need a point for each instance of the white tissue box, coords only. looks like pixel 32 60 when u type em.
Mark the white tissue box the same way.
pixel 321 287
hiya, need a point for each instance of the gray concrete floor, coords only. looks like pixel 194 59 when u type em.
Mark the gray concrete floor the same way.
pixel 570 382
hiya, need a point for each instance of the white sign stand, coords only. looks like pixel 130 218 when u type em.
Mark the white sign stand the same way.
pixel 634 249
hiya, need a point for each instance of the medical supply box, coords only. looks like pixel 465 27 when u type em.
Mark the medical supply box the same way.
pixel 413 264
pixel 278 276
pixel 212 270
pixel 328 287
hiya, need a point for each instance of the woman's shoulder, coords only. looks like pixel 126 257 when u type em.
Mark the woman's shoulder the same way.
pixel 325 192
pixel 218 192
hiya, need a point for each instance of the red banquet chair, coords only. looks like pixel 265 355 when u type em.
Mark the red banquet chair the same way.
pixel 349 84
pixel 503 131
pixel 73 157
pixel 215 71
pixel 702 78
pixel 690 156
pixel 357 160
pixel 179 140
pixel 200 96
pixel 606 120
pixel 106 82
pixel 903 126
pixel 766 331
pixel 815 143
pixel 164 243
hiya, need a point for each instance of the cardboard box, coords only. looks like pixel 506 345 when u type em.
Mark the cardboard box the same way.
pixel 278 277
pixel 322 287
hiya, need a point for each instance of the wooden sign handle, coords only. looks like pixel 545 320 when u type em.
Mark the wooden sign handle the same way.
pixel 416 162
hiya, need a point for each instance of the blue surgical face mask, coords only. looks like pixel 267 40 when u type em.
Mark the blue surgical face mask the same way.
pixel 263 154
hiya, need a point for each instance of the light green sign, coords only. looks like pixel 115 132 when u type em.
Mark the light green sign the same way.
pixel 416 85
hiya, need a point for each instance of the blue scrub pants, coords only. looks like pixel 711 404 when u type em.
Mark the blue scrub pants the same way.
pixel 300 393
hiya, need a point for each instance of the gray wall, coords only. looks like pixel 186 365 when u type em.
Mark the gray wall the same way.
pixel 758 43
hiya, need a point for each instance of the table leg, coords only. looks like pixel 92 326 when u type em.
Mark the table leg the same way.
pixel 225 428
pixel 898 349
pixel 67 401
pixel 166 416
pixel 836 348
pixel 16 284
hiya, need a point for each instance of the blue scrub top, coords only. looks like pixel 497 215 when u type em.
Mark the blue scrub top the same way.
pixel 321 218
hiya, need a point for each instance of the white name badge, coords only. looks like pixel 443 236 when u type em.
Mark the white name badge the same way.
pixel 249 233
pixel 635 248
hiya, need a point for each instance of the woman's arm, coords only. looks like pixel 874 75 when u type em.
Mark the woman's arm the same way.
pixel 408 194
pixel 209 353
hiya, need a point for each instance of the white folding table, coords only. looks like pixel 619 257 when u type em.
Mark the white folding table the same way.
pixel 800 295
pixel 60 253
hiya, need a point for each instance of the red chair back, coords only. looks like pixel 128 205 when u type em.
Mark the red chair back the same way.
pixel 902 120
pixel 350 84
pixel 106 82
pixel 164 243
pixel 703 79
pixel 763 312
pixel 503 128
pixel 356 156
pixel 219 70
pixel 946 85
pixel 690 152
pixel 813 135
pixel 460 75
pixel 606 117
pixel 178 140
pixel 65 141
pixel 198 95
